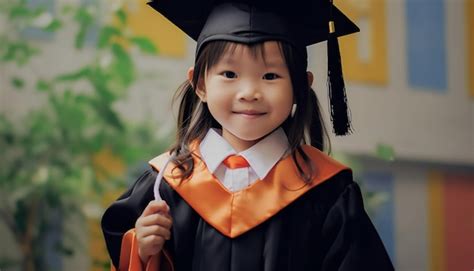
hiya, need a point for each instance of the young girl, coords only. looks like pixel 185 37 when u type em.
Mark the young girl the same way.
pixel 246 186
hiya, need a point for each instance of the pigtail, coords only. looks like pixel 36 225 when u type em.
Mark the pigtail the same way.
pixel 187 103
pixel 317 132
pixel 194 117
pixel 306 126
pixel 180 152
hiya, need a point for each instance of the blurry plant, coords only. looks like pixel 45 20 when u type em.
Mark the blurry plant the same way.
pixel 372 199
pixel 47 157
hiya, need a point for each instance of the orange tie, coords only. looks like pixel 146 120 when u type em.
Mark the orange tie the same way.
pixel 235 161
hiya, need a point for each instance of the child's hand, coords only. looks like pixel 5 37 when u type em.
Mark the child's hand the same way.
pixel 153 229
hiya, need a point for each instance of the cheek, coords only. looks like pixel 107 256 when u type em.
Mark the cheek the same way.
pixel 219 104
pixel 218 99
pixel 286 108
pixel 285 100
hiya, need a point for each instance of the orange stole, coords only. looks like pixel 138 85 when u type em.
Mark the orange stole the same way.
pixel 130 260
pixel 233 214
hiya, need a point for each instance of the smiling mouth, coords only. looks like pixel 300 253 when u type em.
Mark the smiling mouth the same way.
pixel 249 113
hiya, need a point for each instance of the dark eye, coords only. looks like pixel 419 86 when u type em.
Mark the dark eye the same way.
pixel 229 74
pixel 270 76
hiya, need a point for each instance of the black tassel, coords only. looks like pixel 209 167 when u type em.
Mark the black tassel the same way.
pixel 340 114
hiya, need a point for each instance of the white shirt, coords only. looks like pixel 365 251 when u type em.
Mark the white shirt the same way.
pixel 261 157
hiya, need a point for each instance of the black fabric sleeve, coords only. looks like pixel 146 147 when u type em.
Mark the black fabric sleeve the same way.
pixel 123 213
pixel 354 243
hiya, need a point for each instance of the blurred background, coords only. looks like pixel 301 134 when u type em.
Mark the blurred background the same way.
pixel 85 102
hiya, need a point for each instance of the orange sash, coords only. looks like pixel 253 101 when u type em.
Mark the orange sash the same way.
pixel 233 214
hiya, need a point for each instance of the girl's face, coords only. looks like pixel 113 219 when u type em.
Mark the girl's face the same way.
pixel 249 93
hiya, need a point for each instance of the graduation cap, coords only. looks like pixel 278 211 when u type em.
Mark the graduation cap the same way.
pixel 299 22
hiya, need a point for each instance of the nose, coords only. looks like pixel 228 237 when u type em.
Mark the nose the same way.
pixel 249 91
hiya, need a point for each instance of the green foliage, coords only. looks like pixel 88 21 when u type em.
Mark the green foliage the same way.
pixel 385 152
pixel 47 157
pixel 17 82
pixel 16 51
pixel 144 44
pixel 372 200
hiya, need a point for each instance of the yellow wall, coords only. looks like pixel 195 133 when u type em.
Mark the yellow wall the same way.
pixel 105 162
pixel 145 21
pixel 435 220
pixel 470 44
pixel 372 70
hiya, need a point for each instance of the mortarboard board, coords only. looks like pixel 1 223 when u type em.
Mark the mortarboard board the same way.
pixel 299 22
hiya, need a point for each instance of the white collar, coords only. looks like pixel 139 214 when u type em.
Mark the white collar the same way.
pixel 262 156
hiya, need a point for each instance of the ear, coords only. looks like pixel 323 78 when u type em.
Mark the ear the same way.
pixel 310 78
pixel 200 91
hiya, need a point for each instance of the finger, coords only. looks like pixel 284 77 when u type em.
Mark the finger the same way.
pixel 154 230
pixel 156 219
pixel 151 245
pixel 155 206
pixel 156 248
pixel 152 241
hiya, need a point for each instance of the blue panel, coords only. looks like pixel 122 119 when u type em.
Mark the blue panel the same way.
pixel 381 183
pixel 92 32
pixel 52 238
pixel 426 50
pixel 36 33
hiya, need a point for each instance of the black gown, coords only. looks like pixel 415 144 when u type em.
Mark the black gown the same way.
pixel 324 229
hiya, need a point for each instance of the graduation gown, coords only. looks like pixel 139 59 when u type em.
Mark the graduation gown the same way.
pixel 277 223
